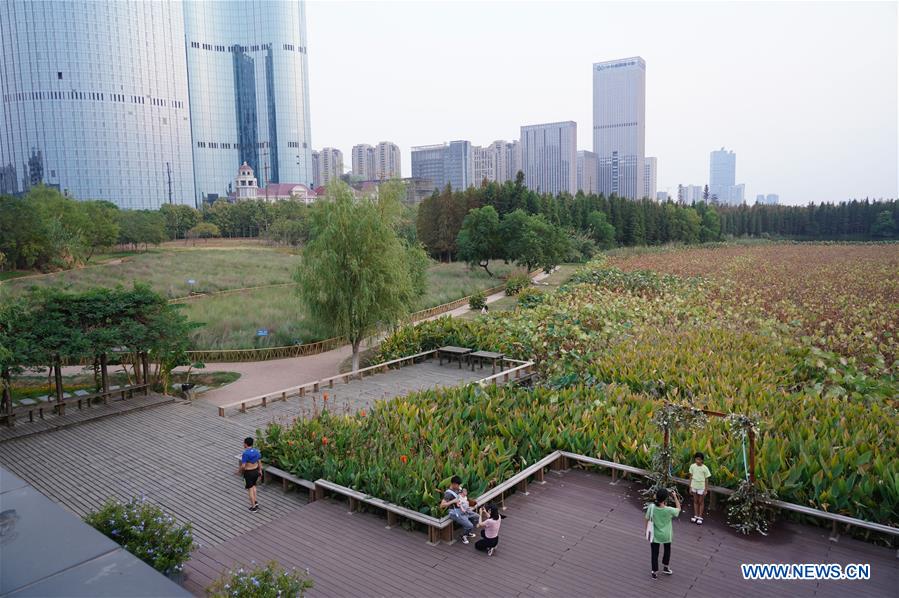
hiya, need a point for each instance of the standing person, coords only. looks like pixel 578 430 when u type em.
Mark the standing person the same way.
pixel 660 529
pixel 251 469
pixel 490 521
pixel 699 479
pixel 463 516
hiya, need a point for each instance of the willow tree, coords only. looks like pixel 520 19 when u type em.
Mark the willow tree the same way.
pixel 356 274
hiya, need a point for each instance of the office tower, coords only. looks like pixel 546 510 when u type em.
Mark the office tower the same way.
pixel 772 199
pixel 483 164
pixel 650 166
pixel 513 157
pixel 363 158
pixel 95 101
pixel 249 90
pixel 722 178
pixel 661 196
pixel 689 193
pixel 549 157
pixel 316 169
pixel 330 165
pixel 501 166
pixel 619 125
pixel 444 164
pixel 587 172
pixel 388 161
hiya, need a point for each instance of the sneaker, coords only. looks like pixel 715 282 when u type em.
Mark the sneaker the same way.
pixel 667 571
pixel 699 521
pixel 693 519
pixel 490 551
pixel 654 576
pixel 472 535
pixel 254 508
pixel 465 539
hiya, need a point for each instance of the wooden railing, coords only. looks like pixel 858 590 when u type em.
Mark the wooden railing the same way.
pixel 524 370
pixel 198 295
pixel 59 406
pixel 441 528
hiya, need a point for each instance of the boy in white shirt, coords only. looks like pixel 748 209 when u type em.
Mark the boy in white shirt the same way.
pixel 699 478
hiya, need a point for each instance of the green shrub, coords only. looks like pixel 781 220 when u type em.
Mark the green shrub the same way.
pixel 516 282
pixel 477 301
pixel 145 531
pixel 530 297
pixel 261 582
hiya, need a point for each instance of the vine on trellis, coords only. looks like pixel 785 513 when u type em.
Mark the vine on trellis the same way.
pixel 748 509
pixel 670 416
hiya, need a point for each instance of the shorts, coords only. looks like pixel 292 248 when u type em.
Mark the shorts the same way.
pixel 697 491
pixel 251 477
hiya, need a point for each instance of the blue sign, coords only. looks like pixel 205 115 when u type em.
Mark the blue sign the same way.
pixel 262 332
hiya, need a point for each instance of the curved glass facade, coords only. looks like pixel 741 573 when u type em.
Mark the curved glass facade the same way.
pixel 249 92
pixel 95 101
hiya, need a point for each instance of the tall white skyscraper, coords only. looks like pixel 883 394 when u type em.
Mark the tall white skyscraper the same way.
pixel 619 125
pixel 650 168
pixel 549 157
pixel 387 161
pixel 330 165
pixel 689 193
pixel 364 161
pixel 501 166
pixel 587 172
pixel 513 157
pixel 723 176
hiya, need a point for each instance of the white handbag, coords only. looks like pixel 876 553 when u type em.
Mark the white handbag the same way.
pixel 650 528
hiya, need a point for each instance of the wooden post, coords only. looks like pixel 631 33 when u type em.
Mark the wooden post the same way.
pixel 751 456
pixel 104 373
pixel 7 398
pixel 145 361
pixel 57 379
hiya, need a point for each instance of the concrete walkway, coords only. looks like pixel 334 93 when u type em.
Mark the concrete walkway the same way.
pixel 260 377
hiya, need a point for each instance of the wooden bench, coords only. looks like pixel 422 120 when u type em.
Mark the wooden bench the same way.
pixel 451 353
pixel 483 356
pixel 81 398
pixel 287 480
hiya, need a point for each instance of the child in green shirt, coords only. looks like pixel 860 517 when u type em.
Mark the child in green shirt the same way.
pixel 699 478
pixel 661 529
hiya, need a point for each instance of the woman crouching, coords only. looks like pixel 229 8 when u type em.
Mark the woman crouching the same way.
pixel 490 521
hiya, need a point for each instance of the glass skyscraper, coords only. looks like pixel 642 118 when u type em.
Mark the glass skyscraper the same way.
pixel 549 157
pixel 444 164
pixel 142 103
pixel 249 91
pixel 95 101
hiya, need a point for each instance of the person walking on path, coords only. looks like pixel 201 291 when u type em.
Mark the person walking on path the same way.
pixel 461 514
pixel 251 469
pixel 699 482
pixel 490 522
pixel 659 529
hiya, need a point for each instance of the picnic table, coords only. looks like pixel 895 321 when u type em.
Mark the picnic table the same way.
pixel 452 353
pixel 483 356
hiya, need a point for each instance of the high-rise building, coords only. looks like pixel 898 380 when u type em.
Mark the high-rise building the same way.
pixel 689 193
pixel 483 164
pixel 619 125
pixel 249 91
pixel 164 105
pixel 722 178
pixel 95 102
pixel 661 196
pixel 316 169
pixel 587 172
pixel 330 165
pixel 549 157
pixel 650 166
pixel 388 161
pixel 364 161
pixel 445 164
pixel 772 199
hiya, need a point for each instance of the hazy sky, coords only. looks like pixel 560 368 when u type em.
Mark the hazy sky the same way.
pixel 804 92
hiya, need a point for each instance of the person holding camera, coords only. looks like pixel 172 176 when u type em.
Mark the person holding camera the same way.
pixel 659 529
pixel 490 521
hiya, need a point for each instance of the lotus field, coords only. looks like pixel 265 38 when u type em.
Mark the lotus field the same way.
pixel 801 337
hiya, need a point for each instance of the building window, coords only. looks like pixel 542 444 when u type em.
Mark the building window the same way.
pixel 59 75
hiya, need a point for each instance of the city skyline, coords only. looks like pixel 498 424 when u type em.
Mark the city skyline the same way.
pixel 770 101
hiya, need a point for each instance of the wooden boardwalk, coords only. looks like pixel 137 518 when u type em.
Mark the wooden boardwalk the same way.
pixel 75 416
pixel 576 535
pixel 362 394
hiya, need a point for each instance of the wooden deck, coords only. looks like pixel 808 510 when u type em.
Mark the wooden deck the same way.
pixel 74 416
pixel 576 535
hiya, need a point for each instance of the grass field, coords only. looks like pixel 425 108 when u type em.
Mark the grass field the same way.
pixel 550 283
pixel 168 270
pixel 231 321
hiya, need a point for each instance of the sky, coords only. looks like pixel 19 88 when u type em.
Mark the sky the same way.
pixel 805 93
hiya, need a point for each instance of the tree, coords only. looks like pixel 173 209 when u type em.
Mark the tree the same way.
pixel 355 272
pixel 479 241
pixel 884 226
pixel 204 230
pixel 600 229
pixel 100 228
pixel 179 219
pixel 141 227
pixel 289 232
pixel 710 229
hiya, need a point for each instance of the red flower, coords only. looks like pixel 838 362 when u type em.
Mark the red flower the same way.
pixel 325 440
pixel 404 459
pixel 362 413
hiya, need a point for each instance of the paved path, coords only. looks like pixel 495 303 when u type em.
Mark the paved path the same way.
pixel 260 377
pixel 576 535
